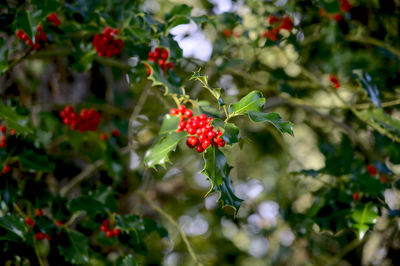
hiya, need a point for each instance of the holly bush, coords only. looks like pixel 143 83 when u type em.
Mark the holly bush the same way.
pixel 199 132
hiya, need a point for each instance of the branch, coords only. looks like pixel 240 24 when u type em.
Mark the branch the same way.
pixel 174 223
pixel 86 172
pixel 18 60
pixel 373 41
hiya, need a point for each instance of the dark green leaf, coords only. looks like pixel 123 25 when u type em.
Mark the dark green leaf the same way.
pixel 13 224
pixel 273 118
pixel 15 121
pixel 217 170
pixel 381 120
pixel 77 252
pixel 88 204
pixel 170 123
pixel 254 101
pixel 23 21
pixel 159 79
pixel 31 161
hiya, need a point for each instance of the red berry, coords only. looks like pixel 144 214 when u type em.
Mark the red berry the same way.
pixel 287 24
pixel 40 236
pixel 193 140
pixel 115 133
pixel 188 113
pixel 221 143
pixel 173 111
pixel 39 212
pixel 13 131
pixel 170 65
pixel 203 117
pixel 3 144
pixel 103 228
pixel 3 129
pixel 356 196
pixel 345 6
pixel 59 223
pixel 227 33
pixel 182 109
pixel 48 237
pixel 103 136
pixel 372 170
pixel 211 134
pixel 116 231
pixel 191 131
pixel 29 221
pixel 199 148
pixel 189 144
pixel 209 119
pixel 109 233
pixel 164 54
pixel 206 143
pixel 105 223
pixel 6 169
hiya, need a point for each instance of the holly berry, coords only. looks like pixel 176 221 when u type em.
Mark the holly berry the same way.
pixel 6 169
pixel 103 228
pixel 227 33
pixel 39 212
pixel 103 136
pixel 335 81
pixel 116 231
pixel 54 19
pixel 40 236
pixel 109 233
pixel 182 109
pixel 86 120
pixel 115 133
pixel 160 56
pixel 106 45
pixel 30 222
pixel 13 131
pixel 3 129
pixel 105 223
pixel 59 223
pixel 372 170
pixel 174 111
pixel 188 113
pixel 356 196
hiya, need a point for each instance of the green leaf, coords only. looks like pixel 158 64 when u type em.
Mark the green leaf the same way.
pixel 217 170
pixel 31 161
pixel 14 120
pixel 254 101
pixel 371 88
pixel 162 146
pixel 159 79
pixel 3 55
pixel 381 120
pixel 170 123
pixel 364 216
pixel 13 224
pixel 273 118
pixel 126 261
pixel 87 204
pixel 23 21
pixel 77 252
pixel 231 132
pixel 204 80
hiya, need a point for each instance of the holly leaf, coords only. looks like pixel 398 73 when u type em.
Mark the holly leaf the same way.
pixel 87 204
pixel 77 252
pixel 13 224
pixel 381 120
pixel 31 161
pixel 231 132
pixel 216 92
pixel 23 21
pixel 217 170
pixel 364 216
pixel 158 78
pixel 371 88
pixel 254 101
pixel 126 261
pixel 170 123
pixel 14 120
pixel 273 118
pixel 158 154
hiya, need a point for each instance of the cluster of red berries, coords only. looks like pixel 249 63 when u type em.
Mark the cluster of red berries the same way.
pixel 200 126
pixel 345 6
pixel 105 227
pixel 335 81
pixel 40 38
pixel 115 133
pixel 54 19
pixel 106 44
pixel 86 120
pixel 160 56
pixel 371 169
pixel 3 139
pixel 277 24
pixel 29 221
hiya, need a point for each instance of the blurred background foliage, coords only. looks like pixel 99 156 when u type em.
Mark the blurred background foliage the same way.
pixel 328 195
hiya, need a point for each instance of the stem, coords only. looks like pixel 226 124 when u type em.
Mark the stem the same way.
pixel 35 246
pixel 138 108
pixel 20 211
pixel 86 172
pixel 18 60
pixel 173 222
pixel 373 41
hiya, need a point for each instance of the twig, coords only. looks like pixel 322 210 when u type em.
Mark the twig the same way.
pixel 18 60
pixel 136 111
pixel 35 246
pixel 86 172
pixel 373 41
pixel 172 221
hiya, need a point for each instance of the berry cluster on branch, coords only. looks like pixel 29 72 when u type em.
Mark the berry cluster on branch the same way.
pixel 106 44
pixel 86 120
